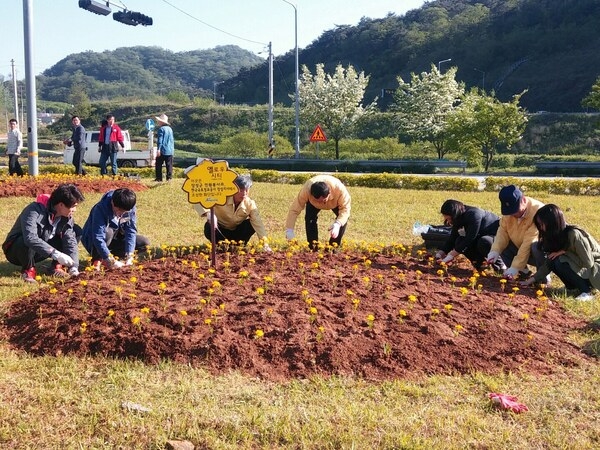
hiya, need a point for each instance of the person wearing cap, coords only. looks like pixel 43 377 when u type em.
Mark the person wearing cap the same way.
pixel 165 145
pixel 320 192
pixel 238 219
pixel 472 234
pixel 516 239
pixel 573 254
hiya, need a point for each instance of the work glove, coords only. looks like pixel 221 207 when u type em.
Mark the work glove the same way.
pixel 267 248
pixel 112 263
pixel 511 273
pixel 62 258
pixel 440 254
pixel 507 402
pixel 528 282
pixel 74 271
pixel 129 261
pixel 492 257
pixel 289 234
pixel 450 256
pixel 334 229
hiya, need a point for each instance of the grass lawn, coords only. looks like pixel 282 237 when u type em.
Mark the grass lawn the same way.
pixel 71 403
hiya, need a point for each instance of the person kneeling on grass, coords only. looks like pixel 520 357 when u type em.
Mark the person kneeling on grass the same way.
pixel 571 253
pixel 238 219
pixel 111 231
pixel 46 229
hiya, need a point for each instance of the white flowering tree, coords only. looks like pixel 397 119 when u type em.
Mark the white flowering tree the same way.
pixel 482 124
pixel 333 101
pixel 422 106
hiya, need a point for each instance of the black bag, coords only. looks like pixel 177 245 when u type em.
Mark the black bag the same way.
pixel 436 236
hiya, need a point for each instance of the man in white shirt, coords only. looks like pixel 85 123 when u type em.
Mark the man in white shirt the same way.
pixel 14 145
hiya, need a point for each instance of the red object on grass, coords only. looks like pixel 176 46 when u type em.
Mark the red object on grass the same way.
pixel 507 402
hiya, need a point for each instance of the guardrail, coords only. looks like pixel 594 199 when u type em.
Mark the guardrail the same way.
pixel 323 165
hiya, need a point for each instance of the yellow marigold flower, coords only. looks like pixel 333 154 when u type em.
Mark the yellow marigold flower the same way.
pixel 313 311
pixel 183 312
pixel 214 312
pixel 464 291
pixel 435 311
pixel 402 313
pixel 133 279
pixel 440 272
pixel 53 290
pixel 83 282
pixel 162 286
pixel 412 298
pixel 145 310
pixel 268 279
pixel 260 291
pixel 111 313
pixel 349 292
pixel 539 293
pixel 244 274
pixel 132 295
pixel 136 320
pixel 304 292
pixel 448 307
pixel 458 327
pixel 258 334
pixel 216 284
pixel 370 318
pixel 207 321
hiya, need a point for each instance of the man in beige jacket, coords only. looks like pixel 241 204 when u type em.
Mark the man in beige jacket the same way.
pixel 320 192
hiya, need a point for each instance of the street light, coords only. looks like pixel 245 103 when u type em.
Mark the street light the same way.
pixel 442 62
pixel 296 96
pixel 482 79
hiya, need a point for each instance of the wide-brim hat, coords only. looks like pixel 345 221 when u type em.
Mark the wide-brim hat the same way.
pixel 163 118
pixel 510 199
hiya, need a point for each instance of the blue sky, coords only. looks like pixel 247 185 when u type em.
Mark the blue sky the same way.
pixel 61 28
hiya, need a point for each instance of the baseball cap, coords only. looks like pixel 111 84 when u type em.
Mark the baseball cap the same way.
pixel 510 199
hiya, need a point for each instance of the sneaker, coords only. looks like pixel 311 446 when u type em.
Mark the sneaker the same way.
pixel 584 297
pixel 59 271
pixel 29 275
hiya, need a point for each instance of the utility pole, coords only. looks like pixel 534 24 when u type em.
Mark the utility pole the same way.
pixel 32 143
pixel 271 141
pixel 16 101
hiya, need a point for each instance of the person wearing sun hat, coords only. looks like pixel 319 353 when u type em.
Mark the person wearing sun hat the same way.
pixel 517 236
pixel 165 145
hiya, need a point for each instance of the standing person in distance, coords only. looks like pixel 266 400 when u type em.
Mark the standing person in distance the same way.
pixel 320 192
pixel 46 229
pixel 516 238
pixel 109 140
pixel 472 234
pixel 14 144
pixel 572 254
pixel 111 230
pixel 165 144
pixel 77 140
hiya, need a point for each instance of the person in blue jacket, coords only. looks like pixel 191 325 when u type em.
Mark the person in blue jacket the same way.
pixel 472 234
pixel 165 145
pixel 110 233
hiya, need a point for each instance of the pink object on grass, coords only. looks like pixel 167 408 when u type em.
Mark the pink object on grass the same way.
pixel 507 402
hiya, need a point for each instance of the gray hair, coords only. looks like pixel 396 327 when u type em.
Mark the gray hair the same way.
pixel 243 181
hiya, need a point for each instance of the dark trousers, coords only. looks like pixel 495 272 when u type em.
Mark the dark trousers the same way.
pixel 78 161
pixel 115 242
pixel 312 229
pixel 478 250
pixel 14 168
pixel 568 276
pixel 19 254
pixel 168 160
pixel 243 232
pixel 536 256
pixel 104 155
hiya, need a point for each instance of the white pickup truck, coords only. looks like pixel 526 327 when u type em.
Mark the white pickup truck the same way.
pixel 127 158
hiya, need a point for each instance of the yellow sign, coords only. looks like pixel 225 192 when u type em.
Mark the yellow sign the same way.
pixel 318 135
pixel 210 183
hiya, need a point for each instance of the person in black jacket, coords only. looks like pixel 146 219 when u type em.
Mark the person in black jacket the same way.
pixel 77 140
pixel 46 229
pixel 473 231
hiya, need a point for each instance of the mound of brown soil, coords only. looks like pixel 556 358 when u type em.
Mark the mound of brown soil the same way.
pixel 377 315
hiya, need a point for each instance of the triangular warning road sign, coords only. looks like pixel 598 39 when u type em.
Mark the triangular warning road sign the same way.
pixel 318 135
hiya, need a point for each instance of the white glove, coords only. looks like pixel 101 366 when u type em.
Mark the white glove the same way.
pixel 289 234
pixel 492 257
pixel 74 271
pixel 440 254
pixel 129 261
pixel 112 263
pixel 62 258
pixel 450 256
pixel 267 248
pixel 334 229
pixel 528 282
pixel 511 273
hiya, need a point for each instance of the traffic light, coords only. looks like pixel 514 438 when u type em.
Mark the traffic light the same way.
pixel 96 7
pixel 132 18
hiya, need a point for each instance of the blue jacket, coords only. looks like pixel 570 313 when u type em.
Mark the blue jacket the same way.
pixel 165 142
pixel 102 216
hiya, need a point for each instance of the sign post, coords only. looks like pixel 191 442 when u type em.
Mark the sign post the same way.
pixel 210 183
pixel 318 136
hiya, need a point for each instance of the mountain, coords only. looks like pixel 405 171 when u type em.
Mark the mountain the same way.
pixel 143 71
pixel 547 47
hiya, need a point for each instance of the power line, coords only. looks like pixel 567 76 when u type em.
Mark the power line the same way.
pixel 211 26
